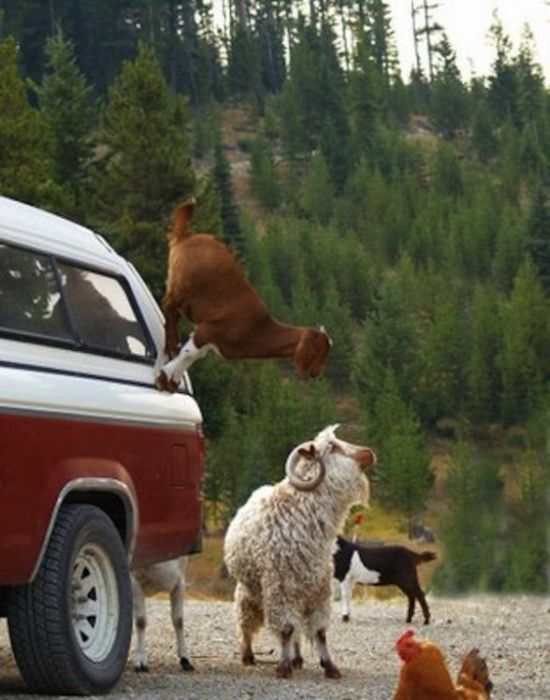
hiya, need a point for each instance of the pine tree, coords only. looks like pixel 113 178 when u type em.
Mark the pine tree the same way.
pixel 381 38
pixel 232 233
pixel 317 194
pixel 26 166
pixel 70 112
pixel 503 83
pixel 148 168
pixel 336 318
pixel 482 376
pixel 471 534
pixel 244 67
pixel 448 100
pixel 304 304
pixel 524 359
pixel 404 465
pixel 313 112
pixel 440 389
pixel 263 177
pixel 367 97
pixel 510 246
pixel 253 448
pixel 448 172
pixel 427 28
pixel 483 131
pixel 538 231
pixel 388 342
pixel 528 558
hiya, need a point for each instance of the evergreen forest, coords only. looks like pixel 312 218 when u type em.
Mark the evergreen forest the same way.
pixel 410 217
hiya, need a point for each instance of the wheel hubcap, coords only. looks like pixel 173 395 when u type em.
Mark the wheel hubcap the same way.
pixel 94 602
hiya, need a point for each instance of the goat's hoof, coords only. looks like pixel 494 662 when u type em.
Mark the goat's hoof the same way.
pixel 186 665
pixel 173 386
pixel 284 669
pixel 426 622
pixel 161 382
pixel 331 671
pixel 297 662
pixel 141 668
pixel 248 659
pixel 345 618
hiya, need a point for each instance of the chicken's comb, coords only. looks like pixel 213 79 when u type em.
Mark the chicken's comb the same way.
pixel 404 639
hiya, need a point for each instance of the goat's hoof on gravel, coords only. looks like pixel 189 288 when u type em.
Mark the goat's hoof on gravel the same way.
pixel 186 665
pixel 248 659
pixel 297 662
pixel 345 618
pixel 284 669
pixel 331 671
pixel 141 668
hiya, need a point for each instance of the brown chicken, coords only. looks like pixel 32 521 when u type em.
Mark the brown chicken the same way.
pixel 425 676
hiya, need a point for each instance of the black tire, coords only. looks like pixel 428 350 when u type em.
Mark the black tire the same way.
pixel 66 644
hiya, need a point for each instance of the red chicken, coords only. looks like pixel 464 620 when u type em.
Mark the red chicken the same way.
pixel 425 676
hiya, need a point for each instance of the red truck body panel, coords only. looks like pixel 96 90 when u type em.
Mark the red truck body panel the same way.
pixel 39 456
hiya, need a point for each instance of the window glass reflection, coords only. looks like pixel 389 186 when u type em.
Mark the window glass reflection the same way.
pixel 102 312
pixel 29 298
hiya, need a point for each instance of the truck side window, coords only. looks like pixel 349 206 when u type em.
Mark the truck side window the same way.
pixel 102 313
pixel 29 297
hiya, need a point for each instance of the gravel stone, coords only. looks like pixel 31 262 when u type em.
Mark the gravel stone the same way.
pixel 512 632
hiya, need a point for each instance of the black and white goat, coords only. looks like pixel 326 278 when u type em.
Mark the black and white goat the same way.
pixel 380 566
pixel 165 577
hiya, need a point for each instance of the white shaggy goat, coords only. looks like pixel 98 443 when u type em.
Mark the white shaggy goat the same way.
pixel 280 544
pixel 169 577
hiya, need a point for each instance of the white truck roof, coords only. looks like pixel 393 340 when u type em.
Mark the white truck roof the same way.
pixel 27 225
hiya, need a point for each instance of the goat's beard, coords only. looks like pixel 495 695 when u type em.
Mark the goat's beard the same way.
pixel 363 492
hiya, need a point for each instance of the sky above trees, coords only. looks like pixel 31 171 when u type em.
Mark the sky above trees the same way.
pixel 467 25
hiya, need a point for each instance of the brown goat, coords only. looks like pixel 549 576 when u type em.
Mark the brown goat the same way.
pixel 207 285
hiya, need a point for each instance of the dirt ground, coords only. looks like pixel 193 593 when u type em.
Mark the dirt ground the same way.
pixel 512 632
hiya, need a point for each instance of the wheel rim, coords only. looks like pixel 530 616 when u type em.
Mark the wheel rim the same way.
pixel 94 602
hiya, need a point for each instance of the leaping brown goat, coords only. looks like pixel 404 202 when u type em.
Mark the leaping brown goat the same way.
pixel 208 285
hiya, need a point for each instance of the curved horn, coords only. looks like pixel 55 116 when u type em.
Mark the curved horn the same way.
pixel 310 455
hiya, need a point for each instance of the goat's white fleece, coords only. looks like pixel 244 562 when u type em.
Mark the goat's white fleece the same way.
pixel 280 543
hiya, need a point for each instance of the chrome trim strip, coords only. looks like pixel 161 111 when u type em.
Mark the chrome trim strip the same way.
pixel 96 484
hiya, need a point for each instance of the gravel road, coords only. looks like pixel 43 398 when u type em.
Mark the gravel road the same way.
pixel 512 632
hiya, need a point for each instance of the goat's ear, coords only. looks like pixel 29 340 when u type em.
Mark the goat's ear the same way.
pixel 308 452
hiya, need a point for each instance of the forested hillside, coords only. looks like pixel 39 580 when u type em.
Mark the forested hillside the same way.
pixel 410 217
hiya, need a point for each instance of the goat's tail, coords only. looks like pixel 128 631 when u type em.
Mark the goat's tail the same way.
pixel 422 557
pixel 180 219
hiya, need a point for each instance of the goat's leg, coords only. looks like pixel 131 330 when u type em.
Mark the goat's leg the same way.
pixel 171 373
pixel 284 667
pixel 250 617
pixel 346 587
pixel 176 604
pixel 410 606
pixel 140 617
pixel 419 593
pixel 331 670
pixel 317 624
pixel 298 659
pixel 171 317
